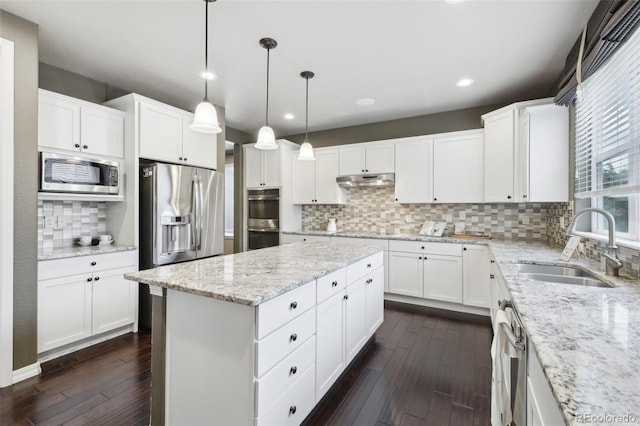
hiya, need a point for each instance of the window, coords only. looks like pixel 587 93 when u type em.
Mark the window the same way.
pixel 608 141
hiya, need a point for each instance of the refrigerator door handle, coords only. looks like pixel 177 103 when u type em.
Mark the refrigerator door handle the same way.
pixel 193 214
pixel 198 212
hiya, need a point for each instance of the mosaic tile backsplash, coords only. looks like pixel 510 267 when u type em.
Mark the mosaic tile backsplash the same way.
pixel 68 221
pixel 374 210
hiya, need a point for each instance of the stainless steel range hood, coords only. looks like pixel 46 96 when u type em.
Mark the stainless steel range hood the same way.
pixel 384 179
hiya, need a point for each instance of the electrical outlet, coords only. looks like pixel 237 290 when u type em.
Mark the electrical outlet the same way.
pixel 524 220
pixel 408 218
pixel 447 217
pixel 61 221
pixel 49 222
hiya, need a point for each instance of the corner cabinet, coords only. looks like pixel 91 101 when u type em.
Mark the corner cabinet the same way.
pixel 77 126
pixel 526 153
pixel 85 296
pixel 314 182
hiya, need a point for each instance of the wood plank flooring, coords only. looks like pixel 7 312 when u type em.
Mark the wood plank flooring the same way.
pixel 420 370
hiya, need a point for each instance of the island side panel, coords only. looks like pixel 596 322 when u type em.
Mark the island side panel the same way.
pixel 158 330
pixel 209 364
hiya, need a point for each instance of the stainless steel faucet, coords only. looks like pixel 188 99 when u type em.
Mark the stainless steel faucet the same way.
pixel 613 264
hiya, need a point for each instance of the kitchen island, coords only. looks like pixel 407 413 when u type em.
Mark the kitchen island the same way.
pixel 259 337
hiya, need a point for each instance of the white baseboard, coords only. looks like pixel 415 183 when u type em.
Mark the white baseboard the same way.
pixel 85 343
pixel 27 372
pixel 455 307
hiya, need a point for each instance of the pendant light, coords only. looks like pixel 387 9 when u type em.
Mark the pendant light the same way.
pixel 205 119
pixel 266 137
pixel 306 150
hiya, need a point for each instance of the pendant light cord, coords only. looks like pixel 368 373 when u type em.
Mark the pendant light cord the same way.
pixel 306 121
pixel 206 51
pixel 266 118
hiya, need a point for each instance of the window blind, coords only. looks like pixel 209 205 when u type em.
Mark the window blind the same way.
pixel 608 127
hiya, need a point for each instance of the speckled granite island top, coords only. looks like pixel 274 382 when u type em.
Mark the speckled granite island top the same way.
pixel 587 338
pixel 253 277
pixel 390 236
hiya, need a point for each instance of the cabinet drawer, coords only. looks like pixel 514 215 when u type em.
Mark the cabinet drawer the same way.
pixel 275 312
pixel 294 404
pixel 48 269
pixel 445 249
pixel 284 374
pixel 330 284
pixel 284 340
pixel 364 266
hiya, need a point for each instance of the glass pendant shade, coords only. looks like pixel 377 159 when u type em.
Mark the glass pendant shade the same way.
pixel 205 119
pixel 306 152
pixel 266 138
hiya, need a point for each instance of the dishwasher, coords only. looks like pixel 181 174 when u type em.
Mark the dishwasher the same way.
pixel 513 366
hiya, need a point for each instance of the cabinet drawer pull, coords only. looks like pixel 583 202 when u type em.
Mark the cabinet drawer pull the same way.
pixel 85 147
pixel 422 247
pixel 96 279
pixel 180 158
pixel 345 297
pixel 492 276
pixel 89 279
pixel 293 337
pixel 464 248
pixel 368 265
pixel 77 145
pixel 509 197
pixel 420 258
pixel 293 370
pixel 292 409
pixel 93 263
pixel 334 284
pixel 493 261
pixel 185 158
pixel 293 305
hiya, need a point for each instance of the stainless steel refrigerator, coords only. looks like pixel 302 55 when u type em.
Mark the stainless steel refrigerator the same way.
pixel 181 218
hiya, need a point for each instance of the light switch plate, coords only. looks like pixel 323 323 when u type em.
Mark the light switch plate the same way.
pixel 49 222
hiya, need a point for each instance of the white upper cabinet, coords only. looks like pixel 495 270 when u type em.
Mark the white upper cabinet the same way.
pixel 314 182
pixel 526 154
pixel 543 154
pixel 74 125
pixel 198 149
pixel 498 157
pixel 458 168
pixel 165 136
pixel 413 170
pixel 262 167
pixel 370 157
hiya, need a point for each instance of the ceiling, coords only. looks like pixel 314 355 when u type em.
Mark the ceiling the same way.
pixel 407 55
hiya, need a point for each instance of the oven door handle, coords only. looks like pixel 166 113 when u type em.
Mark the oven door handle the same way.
pixel 263 229
pixel 513 340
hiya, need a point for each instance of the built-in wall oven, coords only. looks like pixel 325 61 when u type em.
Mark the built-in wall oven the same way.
pixel 263 218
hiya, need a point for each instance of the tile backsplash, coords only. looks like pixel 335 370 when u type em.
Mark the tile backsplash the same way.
pixel 69 220
pixel 374 210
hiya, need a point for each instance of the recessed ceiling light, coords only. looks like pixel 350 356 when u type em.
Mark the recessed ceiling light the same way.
pixel 289 116
pixel 207 75
pixel 365 102
pixel 464 82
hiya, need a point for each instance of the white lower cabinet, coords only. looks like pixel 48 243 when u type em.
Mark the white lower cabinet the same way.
pixel 374 305
pixel 330 337
pixel 443 278
pixel 476 273
pixel 405 274
pixel 542 407
pixel 355 319
pixel 94 299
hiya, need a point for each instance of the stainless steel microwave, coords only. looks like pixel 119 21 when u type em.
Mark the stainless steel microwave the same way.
pixel 70 173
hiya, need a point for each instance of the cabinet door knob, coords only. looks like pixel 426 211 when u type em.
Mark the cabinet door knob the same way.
pixel 524 196
pixel 293 305
pixel 362 170
pixel 89 279
pixel 345 297
pixel 180 158
pixel 509 197
pixel 93 263
pixel 493 261
pixel 292 409
pixel 185 158
pixel 396 199
pixel 420 258
pixel 293 370
pixel 85 147
pixel 366 170
pixel 464 248
pixel 492 276
pixel 293 337
pixel 77 145
pixel 334 284
pixel 422 247
pixel 96 279
pixel 368 265
pixel 435 199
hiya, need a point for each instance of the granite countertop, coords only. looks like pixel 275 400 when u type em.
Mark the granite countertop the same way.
pixel 587 338
pixel 392 236
pixel 253 277
pixel 75 251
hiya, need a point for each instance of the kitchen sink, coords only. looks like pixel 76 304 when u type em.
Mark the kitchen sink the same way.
pixel 560 274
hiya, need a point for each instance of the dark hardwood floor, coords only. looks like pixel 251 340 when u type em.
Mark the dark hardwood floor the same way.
pixel 420 370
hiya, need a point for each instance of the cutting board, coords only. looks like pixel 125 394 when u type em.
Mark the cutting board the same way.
pixel 470 236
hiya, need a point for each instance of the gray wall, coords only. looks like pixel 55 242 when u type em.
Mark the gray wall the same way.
pixel 238 138
pixel 25 285
pixel 450 121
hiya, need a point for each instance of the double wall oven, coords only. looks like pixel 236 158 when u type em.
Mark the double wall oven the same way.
pixel 263 218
